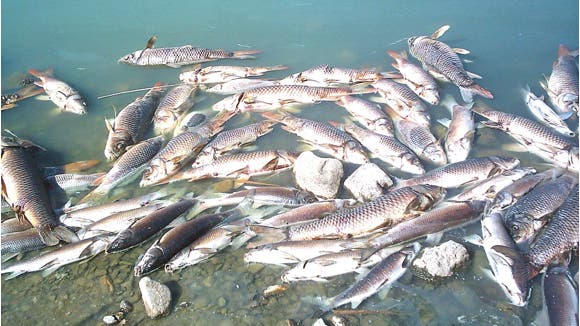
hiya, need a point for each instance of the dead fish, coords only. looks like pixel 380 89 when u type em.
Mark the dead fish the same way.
pixel 544 114
pixel 559 235
pixel 146 227
pixel 401 99
pixel 172 107
pixel 128 167
pixel 50 261
pixel 508 195
pixel 509 269
pixel 378 279
pixel 180 151
pixel 562 86
pixel 232 139
pixel 176 57
pixel 442 62
pixel 525 130
pixel 526 217
pixel 460 132
pixel 369 114
pixel 322 136
pixel 267 195
pixel 21 241
pixel 307 212
pixel 386 210
pixel 73 167
pixel 419 139
pixel 60 93
pixel 14 225
pixel 23 189
pixel 463 173
pixel 221 74
pixel 432 222
pixel 241 165
pixel 191 121
pixel 560 295
pixel 387 149
pixel 239 85
pixel 72 183
pixel 328 76
pixel 418 80
pixel 131 123
pixel 488 189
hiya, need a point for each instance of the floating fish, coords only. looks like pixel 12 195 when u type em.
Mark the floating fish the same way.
pixel 460 132
pixel 369 114
pixel 324 75
pixel 239 85
pixel 59 92
pixel 562 86
pixel 560 295
pixel 222 74
pixel 172 107
pixel 418 80
pixel 403 101
pixel 544 114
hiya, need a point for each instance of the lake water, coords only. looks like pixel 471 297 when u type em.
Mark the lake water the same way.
pixel 512 43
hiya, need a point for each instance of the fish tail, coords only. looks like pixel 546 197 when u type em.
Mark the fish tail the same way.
pixel 477 89
pixel 80 166
pixel 65 234
pixel 323 304
pixel 275 116
pixel 35 73
pixel 278 67
pixel 248 54
pixel 47 236
pixel 563 51
pixel 267 234
pixel 397 55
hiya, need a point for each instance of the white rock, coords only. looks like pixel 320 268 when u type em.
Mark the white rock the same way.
pixel 367 182
pixel 321 176
pixel 156 297
pixel 442 260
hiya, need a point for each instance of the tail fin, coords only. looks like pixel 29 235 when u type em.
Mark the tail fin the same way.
pixel 439 32
pixel 279 116
pixel 468 92
pixel 51 237
pixel 267 235
pixel 397 55
pixel 80 166
pixel 248 54
pixel 276 68
pixel 563 51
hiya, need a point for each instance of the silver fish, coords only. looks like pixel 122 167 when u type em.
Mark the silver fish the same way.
pixel 460 132
pixel 442 62
pixel 544 114
pixel 23 189
pixel 221 74
pixel 463 173
pixel 232 139
pixel 239 85
pixel 307 212
pixel 418 80
pixel 419 139
pixel 191 121
pixel 322 136
pixel 562 87
pixel 488 189
pixel 559 235
pixel 387 149
pixel 524 219
pixel 176 102
pixel 61 93
pixel 369 114
pixel 241 165
pixel 379 278
pixel 401 99
pixel 14 225
pixel 72 183
pixel 48 262
pixel 21 241
pixel 131 123
pixel 176 57
pixel 509 268
pixel 329 76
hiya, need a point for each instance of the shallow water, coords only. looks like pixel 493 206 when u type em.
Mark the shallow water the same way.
pixel 512 44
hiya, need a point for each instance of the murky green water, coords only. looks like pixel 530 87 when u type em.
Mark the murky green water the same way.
pixel 512 44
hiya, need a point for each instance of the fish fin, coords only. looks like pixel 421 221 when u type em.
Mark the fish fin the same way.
pixel 63 233
pixel 173 65
pixel 514 147
pixel 240 240
pixel 269 234
pixel 245 54
pixel 391 74
pixel 507 251
pixel 563 51
pixel 42 97
pixel 46 272
pixel 7 257
pixel 474 239
pixel 434 238
pixel 566 115
pixel 356 302
pixel 473 75
pixel 397 55
pixel 439 32
pixel 362 273
pixel 449 102
pixel 377 99
pixel 384 291
pixel 489 274
pixel 461 51
pixel 80 166
pixel 48 237
pixel 15 274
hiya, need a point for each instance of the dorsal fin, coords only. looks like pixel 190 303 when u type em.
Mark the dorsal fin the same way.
pixel 439 32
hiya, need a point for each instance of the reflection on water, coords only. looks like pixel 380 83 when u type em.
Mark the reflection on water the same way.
pixel 511 44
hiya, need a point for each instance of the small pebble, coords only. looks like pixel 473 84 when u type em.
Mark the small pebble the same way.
pixel 125 306
pixel 156 297
pixel 110 320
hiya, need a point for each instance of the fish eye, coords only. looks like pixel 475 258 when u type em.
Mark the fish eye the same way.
pixel 120 145
pixel 515 227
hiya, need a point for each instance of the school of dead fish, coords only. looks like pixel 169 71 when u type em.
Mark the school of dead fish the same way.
pixel 529 220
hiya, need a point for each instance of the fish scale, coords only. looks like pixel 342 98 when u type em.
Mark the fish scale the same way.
pixel 21 241
pixel 131 123
pixel 385 210
pixel 531 131
pixel 530 213
pixel 172 106
pixel 441 57
pixel 328 74
pixel 562 85
pixel 297 93
pixel 369 114
pixel 183 55
pixel 559 235
pixel 421 141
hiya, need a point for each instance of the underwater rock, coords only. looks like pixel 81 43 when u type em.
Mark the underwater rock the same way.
pixel 367 182
pixel 156 297
pixel 321 176
pixel 442 260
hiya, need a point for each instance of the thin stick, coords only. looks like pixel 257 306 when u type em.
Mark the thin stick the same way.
pixel 137 90
pixel 347 312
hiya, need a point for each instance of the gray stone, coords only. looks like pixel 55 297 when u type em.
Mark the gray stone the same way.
pixel 156 297
pixel 442 260
pixel 321 176
pixel 110 320
pixel 367 182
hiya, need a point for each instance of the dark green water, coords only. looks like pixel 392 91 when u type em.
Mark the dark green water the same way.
pixel 512 43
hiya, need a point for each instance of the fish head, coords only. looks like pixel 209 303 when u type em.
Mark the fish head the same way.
pixel 411 40
pixel 427 195
pixel 229 103
pixel 120 241
pixel 305 197
pixel 150 261
pixel 505 163
pixel 130 58
pixel 567 102
pixel 458 151
pixel 354 153
pixel 431 95
pixel 154 172
pixel 502 200
pixel 117 143
pixel 164 120
pixel 520 226
pixel 511 273
pixel 76 105
pixel 435 154
pixel 411 164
